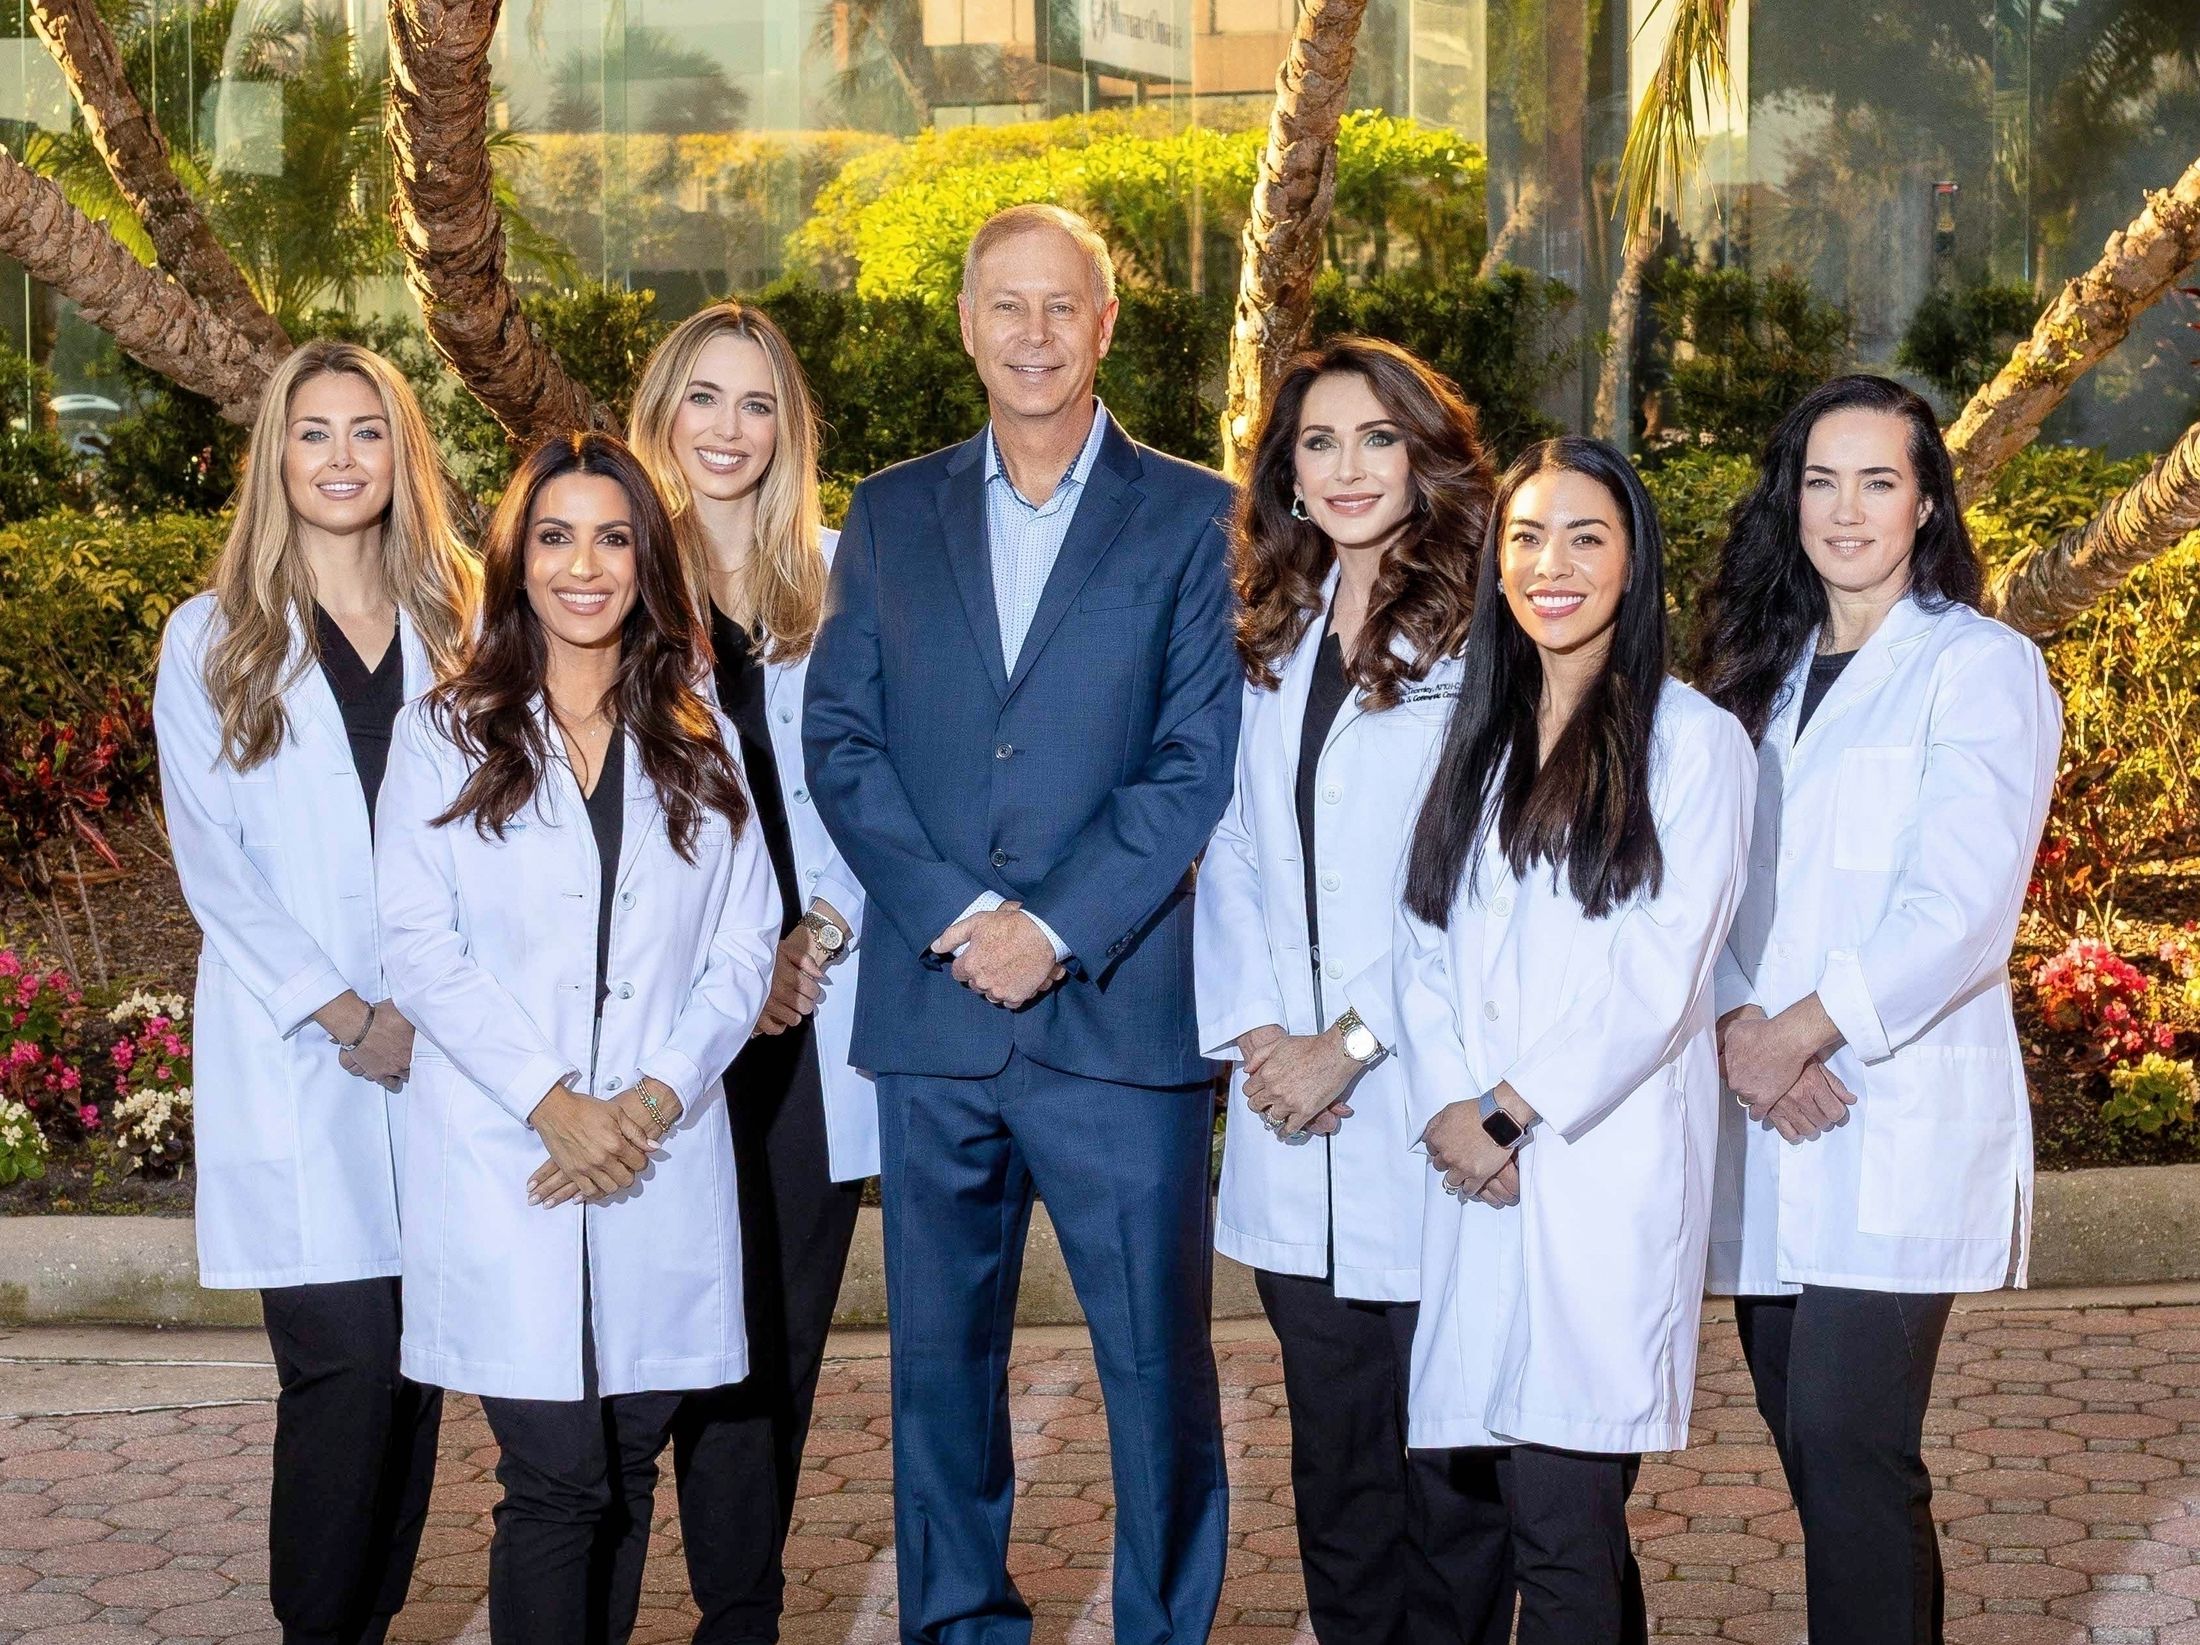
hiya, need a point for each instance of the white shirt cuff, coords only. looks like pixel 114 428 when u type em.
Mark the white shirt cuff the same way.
pixel 986 901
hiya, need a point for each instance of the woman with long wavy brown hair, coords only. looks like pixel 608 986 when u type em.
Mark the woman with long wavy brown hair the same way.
pixel 580 916
pixel 341 590
pixel 1358 538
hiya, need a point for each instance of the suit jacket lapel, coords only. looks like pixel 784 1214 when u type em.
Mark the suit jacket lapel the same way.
pixel 1108 501
pixel 961 499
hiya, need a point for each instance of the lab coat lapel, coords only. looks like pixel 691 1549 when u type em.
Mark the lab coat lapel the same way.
pixel 1107 503
pixel 310 698
pixel 643 814
pixel 1867 671
pixel 1297 681
pixel 961 501
pixel 419 668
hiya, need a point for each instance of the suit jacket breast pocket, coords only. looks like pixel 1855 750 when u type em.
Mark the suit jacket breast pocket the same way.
pixel 1120 596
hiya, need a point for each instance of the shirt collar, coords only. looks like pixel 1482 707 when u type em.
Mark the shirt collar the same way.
pixel 1074 476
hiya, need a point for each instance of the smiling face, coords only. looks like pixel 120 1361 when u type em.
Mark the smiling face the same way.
pixel 581 578
pixel 339 462
pixel 1860 507
pixel 1563 556
pixel 727 424
pixel 1350 463
pixel 1033 322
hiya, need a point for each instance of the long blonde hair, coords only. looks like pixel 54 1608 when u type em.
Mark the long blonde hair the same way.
pixel 265 587
pixel 783 582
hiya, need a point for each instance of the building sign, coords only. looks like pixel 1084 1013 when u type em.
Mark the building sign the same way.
pixel 1145 39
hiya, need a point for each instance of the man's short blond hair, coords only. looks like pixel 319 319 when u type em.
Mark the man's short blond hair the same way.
pixel 1006 225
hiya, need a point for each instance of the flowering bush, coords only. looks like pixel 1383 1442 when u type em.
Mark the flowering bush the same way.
pixel 39 1015
pixel 2091 992
pixel 22 1144
pixel 149 1129
pixel 2150 1094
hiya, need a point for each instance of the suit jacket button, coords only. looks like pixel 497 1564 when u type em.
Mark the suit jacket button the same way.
pixel 999 858
pixel 1003 751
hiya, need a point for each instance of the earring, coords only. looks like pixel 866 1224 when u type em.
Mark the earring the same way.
pixel 1298 506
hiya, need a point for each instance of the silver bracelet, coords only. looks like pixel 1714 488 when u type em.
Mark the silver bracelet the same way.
pixel 365 1029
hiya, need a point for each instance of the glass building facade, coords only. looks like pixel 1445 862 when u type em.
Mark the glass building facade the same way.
pixel 1883 149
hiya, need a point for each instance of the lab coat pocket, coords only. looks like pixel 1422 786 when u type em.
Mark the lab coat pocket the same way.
pixel 1939 1144
pixel 258 799
pixel 1873 807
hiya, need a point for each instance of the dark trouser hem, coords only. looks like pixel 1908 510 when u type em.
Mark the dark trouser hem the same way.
pixel 354 1460
pixel 1459 1524
pixel 1572 1557
pixel 1843 1380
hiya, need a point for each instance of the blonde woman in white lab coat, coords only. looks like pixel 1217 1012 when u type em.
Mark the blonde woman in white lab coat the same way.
pixel 1907 749
pixel 341 591
pixel 1569 886
pixel 578 912
pixel 1357 538
pixel 724 422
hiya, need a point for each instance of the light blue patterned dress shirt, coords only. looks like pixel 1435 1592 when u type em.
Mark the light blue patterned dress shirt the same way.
pixel 1024 540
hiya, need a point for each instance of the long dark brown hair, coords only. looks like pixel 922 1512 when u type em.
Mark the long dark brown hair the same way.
pixel 1585 810
pixel 1425 590
pixel 489 709
pixel 1766 599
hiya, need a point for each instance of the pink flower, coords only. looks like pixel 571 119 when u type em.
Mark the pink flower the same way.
pixel 89 1115
pixel 71 1079
pixel 164 1072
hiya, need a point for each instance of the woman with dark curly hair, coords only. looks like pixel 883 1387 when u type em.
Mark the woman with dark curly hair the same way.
pixel 1356 545
pixel 581 920
pixel 1906 749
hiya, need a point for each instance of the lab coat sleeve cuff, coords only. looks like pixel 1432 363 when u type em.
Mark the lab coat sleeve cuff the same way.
pixel 847 902
pixel 1848 1002
pixel 1370 991
pixel 1219 1030
pixel 1731 990
pixel 677 1073
pixel 523 1093
pixel 292 1006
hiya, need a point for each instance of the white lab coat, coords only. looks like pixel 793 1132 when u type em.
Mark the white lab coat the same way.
pixel 1570 1320
pixel 1894 841
pixel 851 1097
pixel 491 951
pixel 1281 1204
pixel 297 1160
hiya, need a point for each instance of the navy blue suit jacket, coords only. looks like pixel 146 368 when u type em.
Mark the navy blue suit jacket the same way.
pixel 1084 783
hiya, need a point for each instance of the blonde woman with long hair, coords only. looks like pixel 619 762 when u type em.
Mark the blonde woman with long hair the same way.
pixel 342 590
pixel 724 422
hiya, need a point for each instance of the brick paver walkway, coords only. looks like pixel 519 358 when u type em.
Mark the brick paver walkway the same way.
pixel 2065 1441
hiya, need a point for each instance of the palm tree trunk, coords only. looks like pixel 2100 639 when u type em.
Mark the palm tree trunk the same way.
pixel 2092 315
pixel 2043 589
pixel 136 153
pixel 1292 195
pixel 1611 417
pixel 448 225
pixel 152 317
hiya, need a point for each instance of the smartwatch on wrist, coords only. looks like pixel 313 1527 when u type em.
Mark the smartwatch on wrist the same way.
pixel 1360 1043
pixel 1502 1129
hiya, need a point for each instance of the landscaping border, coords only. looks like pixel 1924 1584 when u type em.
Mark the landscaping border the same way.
pixel 2130 1225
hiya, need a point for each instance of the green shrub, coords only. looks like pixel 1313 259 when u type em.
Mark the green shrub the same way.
pixel 1959 337
pixel 36 471
pixel 172 453
pixel 1693 491
pixel 1734 350
pixel 82 601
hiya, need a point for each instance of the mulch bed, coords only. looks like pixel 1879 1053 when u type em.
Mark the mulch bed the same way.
pixel 145 934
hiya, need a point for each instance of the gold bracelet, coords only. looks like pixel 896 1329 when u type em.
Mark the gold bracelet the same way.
pixel 649 1101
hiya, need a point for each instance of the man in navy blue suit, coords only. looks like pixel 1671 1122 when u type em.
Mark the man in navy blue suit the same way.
pixel 1021 725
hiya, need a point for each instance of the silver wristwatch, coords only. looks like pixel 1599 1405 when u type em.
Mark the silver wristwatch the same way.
pixel 1360 1043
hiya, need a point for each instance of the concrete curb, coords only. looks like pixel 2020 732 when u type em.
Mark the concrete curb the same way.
pixel 2135 1225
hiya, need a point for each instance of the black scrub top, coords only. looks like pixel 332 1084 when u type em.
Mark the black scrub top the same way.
pixel 1825 668
pixel 367 698
pixel 741 694
pixel 606 805
pixel 1325 699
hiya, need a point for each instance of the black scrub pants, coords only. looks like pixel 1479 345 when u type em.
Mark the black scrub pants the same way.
pixel 1345 1365
pixel 737 1451
pixel 1843 1381
pixel 580 1480
pixel 1560 1542
pixel 354 1461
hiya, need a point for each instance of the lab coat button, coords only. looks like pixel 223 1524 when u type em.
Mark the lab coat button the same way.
pixel 611 1084
pixel 1489 1009
pixel 813 876
pixel 1502 906
pixel 1334 969
pixel 626 899
pixel 1332 793
pixel 785 714
pixel 626 990
pixel 802 796
pixel 1330 882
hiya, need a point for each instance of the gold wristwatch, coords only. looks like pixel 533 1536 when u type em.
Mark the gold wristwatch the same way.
pixel 829 937
pixel 1360 1043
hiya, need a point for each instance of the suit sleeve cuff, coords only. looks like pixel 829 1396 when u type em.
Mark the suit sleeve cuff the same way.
pixel 1848 1002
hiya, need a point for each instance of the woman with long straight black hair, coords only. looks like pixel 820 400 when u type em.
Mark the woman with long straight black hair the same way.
pixel 1907 748
pixel 1574 868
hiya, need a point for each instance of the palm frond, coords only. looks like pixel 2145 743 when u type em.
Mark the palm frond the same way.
pixel 1694 71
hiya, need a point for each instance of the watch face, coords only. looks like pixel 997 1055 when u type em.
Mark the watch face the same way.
pixel 1502 1129
pixel 1359 1043
pixel 829 936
